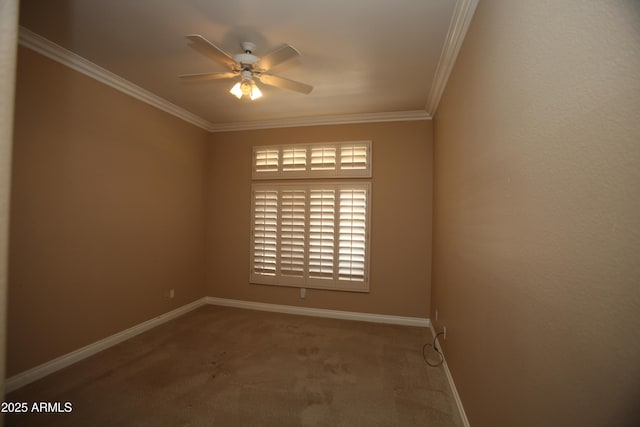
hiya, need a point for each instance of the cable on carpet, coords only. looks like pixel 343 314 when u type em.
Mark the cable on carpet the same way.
pixel 435 347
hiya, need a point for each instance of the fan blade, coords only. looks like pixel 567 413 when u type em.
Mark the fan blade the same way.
pixel 277 56
pixel 207 76
pixel 210 50
pixel 281 82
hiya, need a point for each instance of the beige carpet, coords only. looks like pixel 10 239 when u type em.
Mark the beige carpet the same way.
pixel 220 366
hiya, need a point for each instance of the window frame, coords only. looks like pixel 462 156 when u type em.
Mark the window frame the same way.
pixel 307 281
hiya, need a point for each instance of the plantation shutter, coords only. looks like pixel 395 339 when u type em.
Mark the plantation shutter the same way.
pixel 294 159
pixel 352 234
pixel 292 233
pixel 323 158
pixel 267 160
pixel 321 233
pixel 311 235
pixel 265 231
pixel 335 160
pixel 354 157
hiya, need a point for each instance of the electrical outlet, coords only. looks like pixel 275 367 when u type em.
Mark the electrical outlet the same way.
pixel 172 293
pixel 444 336
pixel 303 293
pixel 436 314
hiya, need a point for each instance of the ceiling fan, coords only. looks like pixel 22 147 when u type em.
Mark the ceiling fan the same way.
pixel 247 66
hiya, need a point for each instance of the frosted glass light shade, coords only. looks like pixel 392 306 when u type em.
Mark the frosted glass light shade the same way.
pixel 255 91
pixel 236 91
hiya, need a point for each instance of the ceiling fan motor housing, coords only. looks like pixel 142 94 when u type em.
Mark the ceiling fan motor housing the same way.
pixel 246 58
pixel 248 47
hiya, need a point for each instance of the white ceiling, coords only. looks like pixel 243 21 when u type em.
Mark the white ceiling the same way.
pixel 365 58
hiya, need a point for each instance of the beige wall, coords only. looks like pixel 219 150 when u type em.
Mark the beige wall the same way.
pixel 8 48
pixel 537 211
pixel 108 213
pixel 400 226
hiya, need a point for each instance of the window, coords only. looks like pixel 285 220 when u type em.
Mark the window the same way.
pixel 311 235
pixel 336 160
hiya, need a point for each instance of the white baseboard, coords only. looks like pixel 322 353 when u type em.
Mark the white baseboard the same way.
pixel 63 361
pixel 319 312
pixel 454 391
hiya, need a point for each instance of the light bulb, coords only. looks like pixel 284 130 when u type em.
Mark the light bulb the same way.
pixel 245 87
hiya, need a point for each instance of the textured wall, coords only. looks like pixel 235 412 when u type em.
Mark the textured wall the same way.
pixel 108 213
pixel 400 227
pixel 536 267
pixel 8 47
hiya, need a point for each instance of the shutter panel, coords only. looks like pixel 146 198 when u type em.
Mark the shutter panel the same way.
pixel 323 158
pixel 311 235
pixel 266 160
pixel 352 234
pixel 292 232
pixel 294 159
pixel 353 157
pixel 265 229
pixel 321 233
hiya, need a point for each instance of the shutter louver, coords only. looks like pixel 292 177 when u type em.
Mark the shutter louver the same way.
pixel 294 159
pixel 292 232
pixel 265 230
pixel 353 157
pixel 323 158
pixel 352 234
pixel 321 233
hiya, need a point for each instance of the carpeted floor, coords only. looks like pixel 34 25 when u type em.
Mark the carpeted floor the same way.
pixel 220 366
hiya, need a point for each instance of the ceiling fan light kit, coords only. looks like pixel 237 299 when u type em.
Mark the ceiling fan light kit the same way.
pixel 248 66
pixel 246 87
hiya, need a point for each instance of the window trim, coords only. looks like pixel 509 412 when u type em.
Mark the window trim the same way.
pixel 336 172
pixel 335 283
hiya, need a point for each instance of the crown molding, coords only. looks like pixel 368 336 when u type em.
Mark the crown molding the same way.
pixel 343 119
pixel 460 21
pixel 51 50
